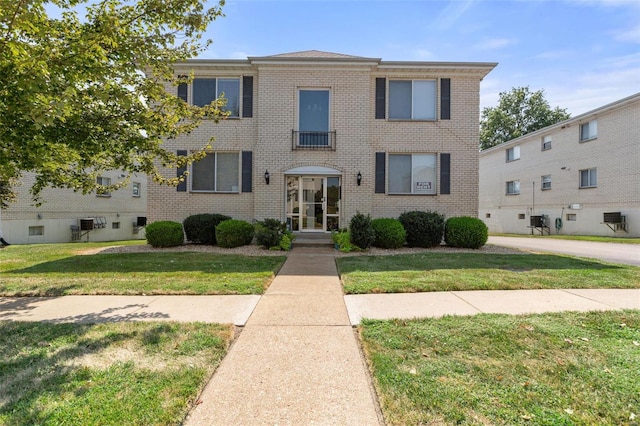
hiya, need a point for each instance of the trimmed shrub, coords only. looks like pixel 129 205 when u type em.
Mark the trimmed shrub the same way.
pixel 362 233
pixel 424 229
pixel 466 232
pixel 164 233
pixel 390 233
pixel 201 228
pixel 269 232
pixel 234 233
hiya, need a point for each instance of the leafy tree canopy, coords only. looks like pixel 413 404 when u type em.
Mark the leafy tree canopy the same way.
pixel 519 112
pixel 85 91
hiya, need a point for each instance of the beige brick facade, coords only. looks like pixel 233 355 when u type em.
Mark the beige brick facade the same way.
pixel 351 83
pixel 614 153
pixel 62 209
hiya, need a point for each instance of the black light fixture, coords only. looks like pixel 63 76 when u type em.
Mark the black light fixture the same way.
pixel 266 177
pixel 359 178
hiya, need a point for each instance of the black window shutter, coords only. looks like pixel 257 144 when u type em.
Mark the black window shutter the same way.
pixel 380 172
pixel 182 91
pixel 247 170
pixel 381 89
pixel 445 98
pixel 445 173
pixel 182 186
pixel 247 96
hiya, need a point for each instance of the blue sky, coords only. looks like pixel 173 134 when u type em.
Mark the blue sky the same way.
pixel 584 54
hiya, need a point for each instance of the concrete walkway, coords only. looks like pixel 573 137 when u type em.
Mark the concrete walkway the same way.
pixel 297 361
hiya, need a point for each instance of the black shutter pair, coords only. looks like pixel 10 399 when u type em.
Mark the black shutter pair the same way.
pixel 247 95
pixel 247 172
pixel 445 98
pixel 445 173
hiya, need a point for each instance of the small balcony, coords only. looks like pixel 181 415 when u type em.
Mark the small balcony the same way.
pixel 313 141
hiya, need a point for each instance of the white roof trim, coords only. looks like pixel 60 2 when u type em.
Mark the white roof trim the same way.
pixel 313 170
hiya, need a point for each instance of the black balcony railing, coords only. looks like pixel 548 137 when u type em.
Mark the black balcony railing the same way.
pixel 319 141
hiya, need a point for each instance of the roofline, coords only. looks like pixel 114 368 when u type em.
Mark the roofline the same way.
pixel 562 124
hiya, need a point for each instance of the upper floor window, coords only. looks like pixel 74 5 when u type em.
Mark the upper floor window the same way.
pixel 513 153
pixel 136 189
pixel 103 182
pixel 412 174
pixel 588 178
pixel 206 90
pixel 412 99
pixel 546 182
pixel 513 187
pixel 589 130
pixel 313 117
pixel 217 172
pixel 546 143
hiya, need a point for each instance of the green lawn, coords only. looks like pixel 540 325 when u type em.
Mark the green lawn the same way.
pixel 60 269
pixel 108 374
pixel 551 369
pixel 479 271
pixel 621 240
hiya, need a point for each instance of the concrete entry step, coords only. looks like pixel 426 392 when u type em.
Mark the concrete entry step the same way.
pixel 312 240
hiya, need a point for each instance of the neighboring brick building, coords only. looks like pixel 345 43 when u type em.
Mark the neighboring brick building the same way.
pixel 58 219
pixel 335 134
pixel 582 175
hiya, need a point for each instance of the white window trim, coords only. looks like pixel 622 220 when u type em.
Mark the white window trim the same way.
pixel 317 89
pixel 99 182
pixel 589 124
pixel 435 99
pixel 542 179
pixel 217 78
pixel 435 182
pixel 590 184
pixel 545 140
pixel 135 193
pixel 507 187
pixel 215 191
pixel 516 153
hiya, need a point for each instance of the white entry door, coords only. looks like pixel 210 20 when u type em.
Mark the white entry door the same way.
pixel 313 203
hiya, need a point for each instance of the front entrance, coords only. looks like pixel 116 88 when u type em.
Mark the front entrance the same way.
pixel 313 203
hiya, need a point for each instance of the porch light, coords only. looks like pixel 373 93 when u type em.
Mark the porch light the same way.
pixel 359 178
pixel 266 177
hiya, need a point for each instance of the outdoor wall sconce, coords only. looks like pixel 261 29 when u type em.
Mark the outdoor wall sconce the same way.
pixel 266 177
pixel 359 178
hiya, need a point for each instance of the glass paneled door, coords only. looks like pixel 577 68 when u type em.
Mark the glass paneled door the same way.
pixel 313 203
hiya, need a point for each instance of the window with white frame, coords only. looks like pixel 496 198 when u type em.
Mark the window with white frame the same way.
pixel 412 174
pixel 103 182
pixel 513 187
pixel 589 130
pixel 313 117
pixel 206 90
pixel 217 172
pixel 546 182
pixel 588 178
pixel 412 99
pixel 513 153
pixel 136 189
pixel 546 143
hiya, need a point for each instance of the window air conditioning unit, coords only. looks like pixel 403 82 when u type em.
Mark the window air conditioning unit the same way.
pixel 612 217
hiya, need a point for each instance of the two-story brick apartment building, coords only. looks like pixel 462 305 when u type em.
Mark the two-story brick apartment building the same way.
pixel 314 137
pixel 579 177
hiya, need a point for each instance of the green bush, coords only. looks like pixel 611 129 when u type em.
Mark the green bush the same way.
pixel 389 233
pixel 465 231
pixel 424 229
pixel 270 232
pixel 342 240
pixel 164 234
pixel 201 228
pixel 362 233
pixel 234 233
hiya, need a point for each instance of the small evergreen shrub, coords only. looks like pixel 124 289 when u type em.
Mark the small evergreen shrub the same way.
pixel 201 228
pixel 164 233
pixel 234 233
pixel 424 229
pixel 270 232
pixel 466 232
pixel 362 233
pixel 389 232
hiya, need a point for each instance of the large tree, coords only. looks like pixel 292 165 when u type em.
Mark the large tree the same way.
pixel 82 88
pixel 519 112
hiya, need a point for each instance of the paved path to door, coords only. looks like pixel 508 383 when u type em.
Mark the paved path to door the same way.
pixel 297 360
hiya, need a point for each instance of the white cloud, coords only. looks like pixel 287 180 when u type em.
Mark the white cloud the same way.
pixel 631 35
pixel 450 14
pixel 495 43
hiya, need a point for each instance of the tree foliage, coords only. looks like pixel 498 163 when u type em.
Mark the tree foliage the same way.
pixel 84 90
pixel 519 112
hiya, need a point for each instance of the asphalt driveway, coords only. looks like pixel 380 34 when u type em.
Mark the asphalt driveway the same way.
pixel 610 252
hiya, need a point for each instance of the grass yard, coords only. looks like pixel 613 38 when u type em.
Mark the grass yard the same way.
pixel 60 269
pixel 109 374
pixel 620 240
pixel 551 369
pixel 479 271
